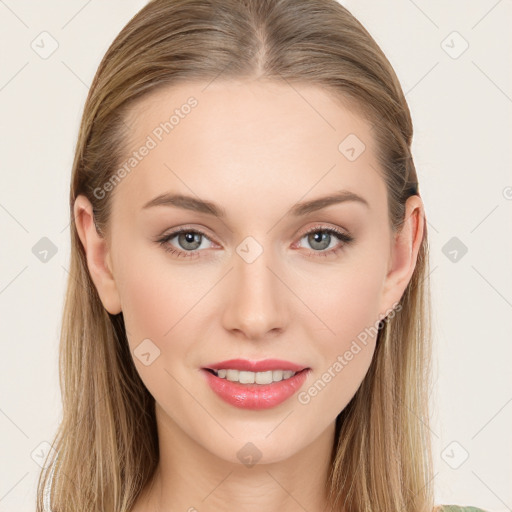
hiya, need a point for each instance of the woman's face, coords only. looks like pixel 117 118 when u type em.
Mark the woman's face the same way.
pixel 251 283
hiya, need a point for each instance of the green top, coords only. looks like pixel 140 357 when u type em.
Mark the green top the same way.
pixel 458 508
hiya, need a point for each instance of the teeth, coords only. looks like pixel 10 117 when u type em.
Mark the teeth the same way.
pixel 245 377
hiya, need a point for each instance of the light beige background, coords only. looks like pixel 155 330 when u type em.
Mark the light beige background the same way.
pixel 461 102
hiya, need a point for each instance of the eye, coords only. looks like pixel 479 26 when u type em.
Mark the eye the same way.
pixel 320 238
pixel 189 240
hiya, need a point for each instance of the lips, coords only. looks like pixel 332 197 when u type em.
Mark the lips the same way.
pixel 255 366
pixel 255 396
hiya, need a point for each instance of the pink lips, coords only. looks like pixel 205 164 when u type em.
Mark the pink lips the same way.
pixel 255 396
pixel 256 366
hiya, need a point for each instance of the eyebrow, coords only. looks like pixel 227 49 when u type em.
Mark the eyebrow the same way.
pixel 210 208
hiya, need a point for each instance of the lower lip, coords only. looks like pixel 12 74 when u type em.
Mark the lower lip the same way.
pixel 256 396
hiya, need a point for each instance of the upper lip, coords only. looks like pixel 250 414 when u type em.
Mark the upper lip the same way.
pixel 256 366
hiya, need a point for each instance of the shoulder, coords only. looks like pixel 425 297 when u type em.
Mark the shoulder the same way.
pixel 458 508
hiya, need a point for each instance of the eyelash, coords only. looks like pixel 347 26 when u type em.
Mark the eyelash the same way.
pixel 342 237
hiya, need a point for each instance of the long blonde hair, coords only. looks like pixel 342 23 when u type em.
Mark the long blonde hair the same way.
pixel 106 447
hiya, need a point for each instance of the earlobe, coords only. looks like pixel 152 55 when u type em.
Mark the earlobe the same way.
pixel 98 256
pixel 404 252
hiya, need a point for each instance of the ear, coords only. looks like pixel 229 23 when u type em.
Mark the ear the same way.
pixel 405 246
pixel 98 255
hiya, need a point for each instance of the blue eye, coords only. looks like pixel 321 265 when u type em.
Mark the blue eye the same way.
pixel 317 236
pixel 191 241
pixel 188 238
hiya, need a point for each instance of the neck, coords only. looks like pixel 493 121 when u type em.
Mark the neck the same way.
pixel 191 478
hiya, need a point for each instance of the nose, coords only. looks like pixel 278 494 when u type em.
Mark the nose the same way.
pixel 256 304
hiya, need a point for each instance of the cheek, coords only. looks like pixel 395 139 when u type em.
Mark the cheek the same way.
pixel 146 303
pixel 344 333
pixel 158 305
pixel 345 302
pixel 155 294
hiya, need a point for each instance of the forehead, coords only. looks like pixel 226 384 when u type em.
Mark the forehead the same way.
pixel 244 140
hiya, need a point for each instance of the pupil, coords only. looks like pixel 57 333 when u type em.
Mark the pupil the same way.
pixel 320 237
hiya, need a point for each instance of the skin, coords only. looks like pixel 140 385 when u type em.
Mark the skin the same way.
pixel 256 148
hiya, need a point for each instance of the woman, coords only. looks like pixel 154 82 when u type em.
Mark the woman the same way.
pixel 247 319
